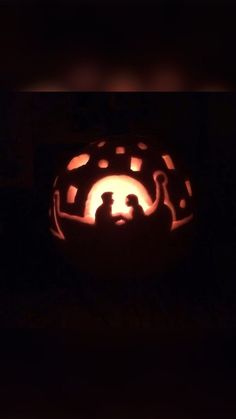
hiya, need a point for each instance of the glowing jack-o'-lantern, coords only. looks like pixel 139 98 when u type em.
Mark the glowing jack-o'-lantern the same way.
pixel 116 207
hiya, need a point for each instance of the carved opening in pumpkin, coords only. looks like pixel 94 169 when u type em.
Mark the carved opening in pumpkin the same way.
pixel 168 161
pixel 101 144
pixel 103 164
pixel 189 188
pixel 128 199
pixel 135 164
pixel 120 186
pixel 71 194
pixel 120 222
pixel 120 150
pixel 182 203
pixel 142 146
pixel 78 161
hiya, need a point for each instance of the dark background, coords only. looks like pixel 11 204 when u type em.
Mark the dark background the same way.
pixel 43 44
pixel 162 347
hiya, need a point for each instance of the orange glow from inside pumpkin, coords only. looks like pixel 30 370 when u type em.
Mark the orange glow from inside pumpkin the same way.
pixel 142 146
pixel 71 194
pixel 120 186
pixel 179 223
pixel 103 164
pixel 120 150
pixel 120 222
pixel 169 162
pixel 101 144
pixel 182 203
pixel 136 164
pixel 189 188
pixel 78 161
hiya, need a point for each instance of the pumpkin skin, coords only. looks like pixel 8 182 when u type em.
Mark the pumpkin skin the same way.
pixel 121 209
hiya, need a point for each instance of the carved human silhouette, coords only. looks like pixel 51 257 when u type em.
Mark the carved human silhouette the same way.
pixel 137 210
pixel 103 215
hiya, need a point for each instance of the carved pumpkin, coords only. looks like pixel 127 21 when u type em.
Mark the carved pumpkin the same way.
pixel 116 207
